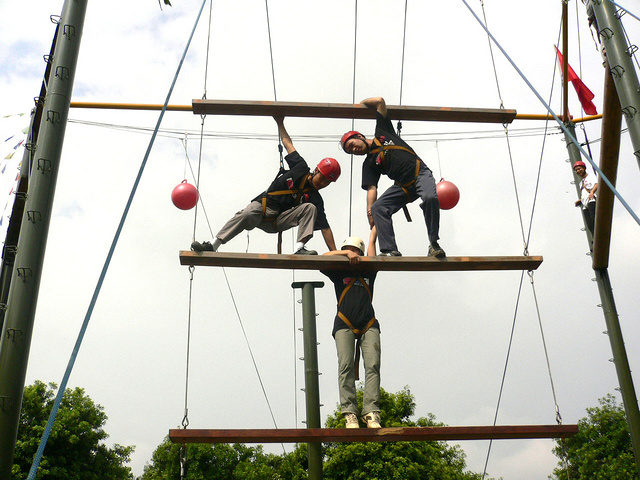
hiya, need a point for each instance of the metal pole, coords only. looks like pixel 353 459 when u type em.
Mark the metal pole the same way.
pixel 312 390
pixel 614 331
pixel 620 360
pixel 621 66
pixel 23 292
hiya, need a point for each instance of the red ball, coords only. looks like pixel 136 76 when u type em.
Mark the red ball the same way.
pixel 448 194
pixel 184 196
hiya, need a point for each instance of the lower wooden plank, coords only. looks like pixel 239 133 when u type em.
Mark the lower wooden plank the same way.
pixel 348 110
pixel 366 264
pixel 401 434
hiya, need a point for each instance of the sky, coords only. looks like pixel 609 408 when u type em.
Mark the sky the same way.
pixel 445 335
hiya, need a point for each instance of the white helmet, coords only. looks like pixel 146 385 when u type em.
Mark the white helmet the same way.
pixel 354 242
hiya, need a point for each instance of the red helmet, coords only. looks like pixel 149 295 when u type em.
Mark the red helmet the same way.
pixel 330 168
pixel 579 163
pixel 349 135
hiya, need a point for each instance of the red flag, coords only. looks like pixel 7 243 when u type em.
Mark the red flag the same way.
pixel 584 94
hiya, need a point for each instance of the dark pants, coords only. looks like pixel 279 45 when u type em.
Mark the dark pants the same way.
pixel 395 198
pixel 589 213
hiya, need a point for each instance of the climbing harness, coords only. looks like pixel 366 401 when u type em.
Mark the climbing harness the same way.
pixel 357 331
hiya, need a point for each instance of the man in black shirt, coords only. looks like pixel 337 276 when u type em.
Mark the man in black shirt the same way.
pixel 388 154
pixel 292 199
pixel 356 329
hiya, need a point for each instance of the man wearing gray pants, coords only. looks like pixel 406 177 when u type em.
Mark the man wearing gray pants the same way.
pixel 292 199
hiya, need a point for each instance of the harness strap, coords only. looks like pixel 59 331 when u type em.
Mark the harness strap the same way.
pixel 356 331
pixel 299 192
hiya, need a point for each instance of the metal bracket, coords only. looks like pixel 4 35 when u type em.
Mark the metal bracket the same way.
pixel 62 72
pixel 55 19
pixel 44 165
pixel 14 335
pixel 617 71
pixel 47 58
pixel 631 50
pixel 24 272
pixel 629 111
pixel 22 195
pixel 606 33
pixel 69 31
pixel 34 215
pixel 53 116
pixel 5 403
pixel 31 146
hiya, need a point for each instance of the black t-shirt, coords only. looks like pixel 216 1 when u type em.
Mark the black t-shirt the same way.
pixel 398 165
pixel 356 305
pixel 292 180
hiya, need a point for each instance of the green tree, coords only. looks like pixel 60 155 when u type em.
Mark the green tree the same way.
pixel 398 460
pixel 75 449
pixel 602 448
pixel 224 462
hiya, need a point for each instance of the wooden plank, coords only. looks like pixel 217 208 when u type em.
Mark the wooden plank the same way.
pixel 366 264
pixel 348 110
pixel 399 434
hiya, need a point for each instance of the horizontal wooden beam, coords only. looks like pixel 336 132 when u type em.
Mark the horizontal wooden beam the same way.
pixel 348 110
pixel 399 434
pixel 366 264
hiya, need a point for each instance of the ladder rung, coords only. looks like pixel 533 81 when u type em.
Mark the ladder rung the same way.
pixel 348 110
pixel 367 264
pixel 294 435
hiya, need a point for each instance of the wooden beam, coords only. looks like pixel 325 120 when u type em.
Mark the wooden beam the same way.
pixel 398 434
pixel 367 264
pixel 609 154
pixel 348 110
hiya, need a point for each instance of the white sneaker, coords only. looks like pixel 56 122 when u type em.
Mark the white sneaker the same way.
pixel 372 419
pixel 352 420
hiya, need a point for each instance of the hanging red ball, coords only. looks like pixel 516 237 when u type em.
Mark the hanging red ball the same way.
pixel 184 196
pixel 448 194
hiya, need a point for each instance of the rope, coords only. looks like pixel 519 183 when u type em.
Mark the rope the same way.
pixel 253 359
pixel 353 100
pixel 571 137
pixel 526 243
pixel 103 273
pixel 273 78
pixel 185 418
pixel 404 36
pixel 504 372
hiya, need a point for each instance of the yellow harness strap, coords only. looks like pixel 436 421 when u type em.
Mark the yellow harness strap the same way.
pixel 405 187
pixel 357 332
pixel 298 191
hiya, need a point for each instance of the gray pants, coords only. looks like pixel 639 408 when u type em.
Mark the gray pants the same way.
pixel 395 198
pixel 303 216
pixel 345 345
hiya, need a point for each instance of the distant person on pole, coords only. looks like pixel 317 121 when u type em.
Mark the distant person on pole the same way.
pixel 355 330
pixel 292 199
pixel 588 188
pixel 386 153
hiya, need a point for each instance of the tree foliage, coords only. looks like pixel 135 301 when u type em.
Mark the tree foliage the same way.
pixel 344 461
pixel 602 448
pixel 394 460
pixel 224 462
pixel 75 448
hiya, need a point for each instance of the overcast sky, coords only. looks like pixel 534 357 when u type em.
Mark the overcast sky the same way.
pixel 444 334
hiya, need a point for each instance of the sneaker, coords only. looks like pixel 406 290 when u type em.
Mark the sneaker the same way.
pixel 202 247
pixel 436 251
pixel 389 253
pixel 304 251
pixel 372 419
pixel 352 420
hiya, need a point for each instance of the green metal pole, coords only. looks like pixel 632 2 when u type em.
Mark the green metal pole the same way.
pixel 312 390
pixel 621 361
pixel 23 291
pixel 621 66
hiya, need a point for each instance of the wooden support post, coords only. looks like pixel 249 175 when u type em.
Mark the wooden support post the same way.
pixel 398 434
pixel 348 110
pixel 367 264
